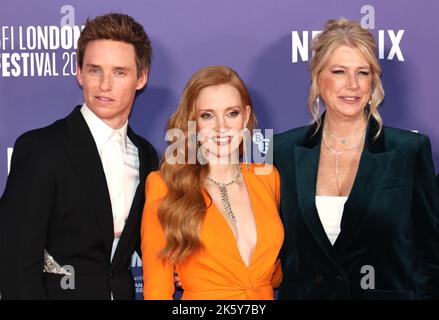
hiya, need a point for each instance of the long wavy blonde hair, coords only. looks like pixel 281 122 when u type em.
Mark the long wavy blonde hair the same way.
pixel 182 211
pixel 337 33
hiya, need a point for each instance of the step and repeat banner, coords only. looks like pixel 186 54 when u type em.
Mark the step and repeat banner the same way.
pixel 267 42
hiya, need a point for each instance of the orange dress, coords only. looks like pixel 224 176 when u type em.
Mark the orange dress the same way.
pixel 217 271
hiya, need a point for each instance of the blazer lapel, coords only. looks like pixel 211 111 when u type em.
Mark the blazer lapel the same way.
pixel 142 155
pixel 372 169
pixel 306 165
pixel 85 156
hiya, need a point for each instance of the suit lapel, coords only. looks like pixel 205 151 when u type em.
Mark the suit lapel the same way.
pixel 306 161
pixel 142 155
pixel 373 166
pixel 85 156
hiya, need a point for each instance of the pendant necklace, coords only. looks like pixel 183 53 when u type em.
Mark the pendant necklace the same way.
pixel 337 153
pixel 343 140
pixel 225 196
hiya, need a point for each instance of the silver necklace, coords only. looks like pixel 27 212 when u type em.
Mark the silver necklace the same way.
pixel 225 196
pixel 337 153
pixel 343 140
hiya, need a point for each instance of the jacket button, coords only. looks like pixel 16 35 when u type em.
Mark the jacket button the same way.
pixel 318 279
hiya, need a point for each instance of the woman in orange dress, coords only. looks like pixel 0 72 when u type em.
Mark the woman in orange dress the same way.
pixel 208 217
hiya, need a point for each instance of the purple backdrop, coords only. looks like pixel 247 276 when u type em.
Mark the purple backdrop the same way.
pixel 256 37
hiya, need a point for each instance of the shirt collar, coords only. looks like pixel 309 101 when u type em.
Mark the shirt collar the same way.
pixel 101 131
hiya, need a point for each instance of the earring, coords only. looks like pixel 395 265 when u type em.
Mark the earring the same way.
pixel 367 106
pixel 246 161
pixel 200 156
pixel 244 148
pixel 318 103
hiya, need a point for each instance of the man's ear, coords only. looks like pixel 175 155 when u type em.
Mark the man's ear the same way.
pixel 79 74
pixel 142 80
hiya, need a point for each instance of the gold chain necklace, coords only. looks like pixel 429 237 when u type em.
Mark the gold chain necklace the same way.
pixel 225 195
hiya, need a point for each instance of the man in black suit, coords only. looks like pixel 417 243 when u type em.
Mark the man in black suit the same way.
pixel 70 214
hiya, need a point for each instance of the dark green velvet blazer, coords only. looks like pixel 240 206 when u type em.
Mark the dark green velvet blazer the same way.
pixel 388 247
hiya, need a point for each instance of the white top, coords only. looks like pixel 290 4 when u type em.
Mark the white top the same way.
pixel 129 172
pixel 330 209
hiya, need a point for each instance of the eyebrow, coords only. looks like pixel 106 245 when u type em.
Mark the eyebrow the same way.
pixel 211 110
pixel 345 67
pixel 90 65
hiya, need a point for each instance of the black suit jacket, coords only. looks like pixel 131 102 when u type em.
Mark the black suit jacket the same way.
pixel 390 221
pixel 56 198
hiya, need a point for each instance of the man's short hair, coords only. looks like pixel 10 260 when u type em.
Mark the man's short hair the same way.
pixel 117 27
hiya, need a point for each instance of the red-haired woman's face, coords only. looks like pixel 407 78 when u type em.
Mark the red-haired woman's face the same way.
pixel 221 116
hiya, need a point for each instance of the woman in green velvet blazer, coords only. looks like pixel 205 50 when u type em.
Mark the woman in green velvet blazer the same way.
pixel 376 233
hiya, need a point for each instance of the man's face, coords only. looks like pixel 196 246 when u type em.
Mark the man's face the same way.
pixel 109 80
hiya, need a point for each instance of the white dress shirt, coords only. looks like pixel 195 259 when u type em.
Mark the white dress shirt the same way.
pixel 129 174
pixel 330 209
